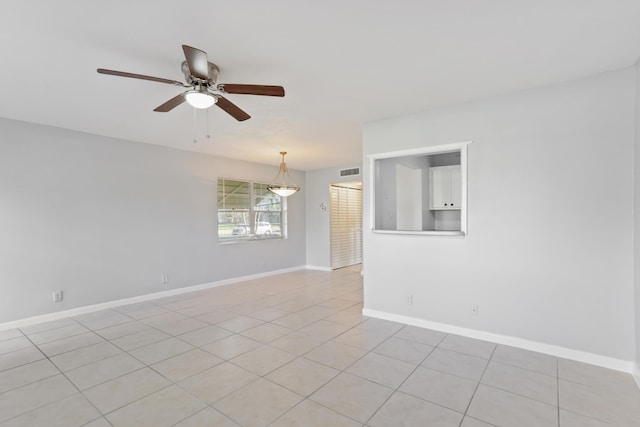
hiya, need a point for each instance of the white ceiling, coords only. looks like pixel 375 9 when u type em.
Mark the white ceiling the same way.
pixel 342 63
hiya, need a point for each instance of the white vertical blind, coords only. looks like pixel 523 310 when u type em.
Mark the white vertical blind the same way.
pixel 346 226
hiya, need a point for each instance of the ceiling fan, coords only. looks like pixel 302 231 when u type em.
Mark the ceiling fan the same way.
pixel 204 90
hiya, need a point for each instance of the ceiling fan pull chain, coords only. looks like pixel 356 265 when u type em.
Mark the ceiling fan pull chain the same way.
pixel 207 113
pixel 195 128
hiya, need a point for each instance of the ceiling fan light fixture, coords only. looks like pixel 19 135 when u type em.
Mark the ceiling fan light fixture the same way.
pixel 200 99
pixel 279 185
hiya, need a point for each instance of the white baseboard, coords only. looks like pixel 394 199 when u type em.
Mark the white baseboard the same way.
pixel 147 297
pixel 317 267
pixel 554 350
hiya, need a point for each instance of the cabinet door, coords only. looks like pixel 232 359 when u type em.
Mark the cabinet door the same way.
pixel 455 188
pixel 446 188
pixel 439 186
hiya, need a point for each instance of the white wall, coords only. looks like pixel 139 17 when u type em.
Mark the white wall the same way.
pixel 636 220
pixel 103 219
pixel 548 255
pixel 317 185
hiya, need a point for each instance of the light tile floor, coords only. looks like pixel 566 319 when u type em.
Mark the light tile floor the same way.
pixel 288 350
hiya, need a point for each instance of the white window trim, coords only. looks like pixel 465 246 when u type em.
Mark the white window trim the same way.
pixel 435 149
pixel 252 238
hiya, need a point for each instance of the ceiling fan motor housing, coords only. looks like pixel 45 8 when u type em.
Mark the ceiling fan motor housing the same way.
pixel 214 71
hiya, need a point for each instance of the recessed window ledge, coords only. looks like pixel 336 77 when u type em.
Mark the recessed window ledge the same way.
pixel 422 232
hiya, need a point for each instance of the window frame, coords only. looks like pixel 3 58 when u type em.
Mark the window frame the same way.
pixel 252 214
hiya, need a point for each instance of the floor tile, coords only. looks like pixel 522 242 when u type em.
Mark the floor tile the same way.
pixel 75 342
pixel 163 408
pixel 20 357
pixel 14 344
pixel 595 402
pixel 208 417
pixel 102 319
pixel 533 385
pixel 39 327
pixel 525 359
pixel 123 390
pixel 352 396
pixel 9 334
pixel 181 326
pixel 447 390
pixel 142 310
pixel 382 369
pixel 258 403
pixel 502 408
pixel 346 317
pixel 473 347
pixel 24 399
pixel 74 410
pixel 140 339
pixel 122 329
pixel 336 355
pixel 217 382
pixel 160 350
pixel 421 335
pixel 263 360
pixel 309 414
pixel 569 419
pixel 324 330
pixel 363 338
pixel 303 376
pixel 26 374
pixel 85 355
pixel 57 333
pixel 100 422
pixel 472 422
pixel 216 316
pixel 268 314
pixel 405 410
pixel 296 343
pixel 232 346
pixel 459 364
pixel 184 365
pixel 240 323
pixel 405 350
pixel 266 332
pixel 163 318
pixel 102 371
pixel 205 335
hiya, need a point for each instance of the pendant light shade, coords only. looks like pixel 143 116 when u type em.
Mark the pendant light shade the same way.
pixel 282 184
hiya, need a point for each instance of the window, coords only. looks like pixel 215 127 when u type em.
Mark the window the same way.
pixel 247 210
pixel 420 191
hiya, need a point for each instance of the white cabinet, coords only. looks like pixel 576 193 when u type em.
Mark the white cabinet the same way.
pixel 445 188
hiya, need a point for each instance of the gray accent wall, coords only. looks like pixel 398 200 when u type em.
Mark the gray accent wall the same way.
pixel 103 219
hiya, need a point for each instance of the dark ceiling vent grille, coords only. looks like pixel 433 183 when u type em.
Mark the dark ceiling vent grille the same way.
pixel 349 172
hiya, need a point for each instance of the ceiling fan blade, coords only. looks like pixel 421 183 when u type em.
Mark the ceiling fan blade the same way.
pixel 171 104
pixel 139 76
pixel 252 89
pixel 232 109
pixel 197 62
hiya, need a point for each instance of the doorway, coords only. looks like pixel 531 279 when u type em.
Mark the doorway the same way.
pixel 346 224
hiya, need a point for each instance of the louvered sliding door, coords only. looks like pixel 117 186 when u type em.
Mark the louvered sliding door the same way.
pixel 346 226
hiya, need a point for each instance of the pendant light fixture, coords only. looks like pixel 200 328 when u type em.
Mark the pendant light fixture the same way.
pixel 284 186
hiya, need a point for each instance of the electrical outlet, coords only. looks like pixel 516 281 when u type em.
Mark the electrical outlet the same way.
pixel 164 278
pixel 410 299
pixel 475 310
pixel 57 296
